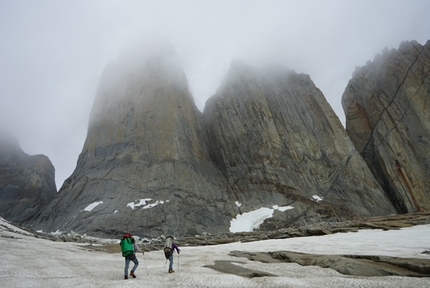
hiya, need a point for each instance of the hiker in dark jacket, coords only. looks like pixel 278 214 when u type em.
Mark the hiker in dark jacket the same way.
pixel 128 249
pixel 169 248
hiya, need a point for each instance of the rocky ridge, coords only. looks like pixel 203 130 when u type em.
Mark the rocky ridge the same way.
pixel 316 229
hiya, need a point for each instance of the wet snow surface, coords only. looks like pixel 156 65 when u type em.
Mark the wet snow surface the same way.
pixel 31 262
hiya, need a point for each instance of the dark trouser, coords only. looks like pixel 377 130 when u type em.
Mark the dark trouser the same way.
pixel 169 255
pixel 127 262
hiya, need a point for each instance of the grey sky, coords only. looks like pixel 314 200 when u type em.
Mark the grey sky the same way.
pixel 53 52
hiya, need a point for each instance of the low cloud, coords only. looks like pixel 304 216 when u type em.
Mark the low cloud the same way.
pixel 53 52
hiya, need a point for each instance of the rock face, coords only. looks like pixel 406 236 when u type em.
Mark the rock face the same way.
pixel 144 167
pixel 153 164
pixel 278 142
pixel 27 183
pixel 387 110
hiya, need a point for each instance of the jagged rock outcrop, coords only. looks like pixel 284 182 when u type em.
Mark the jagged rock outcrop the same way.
pixel 144 167
pixel 278 142
pixel 27 183
pixel 387 110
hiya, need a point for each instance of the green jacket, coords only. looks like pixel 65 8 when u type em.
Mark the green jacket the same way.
pixel 127 247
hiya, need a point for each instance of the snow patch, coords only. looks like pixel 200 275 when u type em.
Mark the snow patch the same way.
pixel 249 221
pixel 283 208
pixel 405 242
pixel 317 198
pixel 142 202
pixel 238 204
pixel 92 206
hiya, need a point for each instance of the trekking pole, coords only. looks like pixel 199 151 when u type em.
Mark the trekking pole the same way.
pixel 146 267
pixel 178 262
pixel 165 263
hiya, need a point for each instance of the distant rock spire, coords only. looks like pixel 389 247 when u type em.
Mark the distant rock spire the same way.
pixel 27 183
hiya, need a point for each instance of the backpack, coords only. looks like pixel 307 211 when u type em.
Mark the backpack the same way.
pixel 127 246
pixel 168 244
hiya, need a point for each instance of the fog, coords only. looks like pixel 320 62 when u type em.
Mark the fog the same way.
pixel 53 52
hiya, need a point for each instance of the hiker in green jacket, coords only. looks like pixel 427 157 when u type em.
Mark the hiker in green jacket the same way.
pixel 128 249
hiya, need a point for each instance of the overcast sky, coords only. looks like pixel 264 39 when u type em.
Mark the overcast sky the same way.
pixel 52 53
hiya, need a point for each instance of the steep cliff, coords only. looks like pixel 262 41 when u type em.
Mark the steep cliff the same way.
pixel 27 183
pixel 153 164
pixel 278 142
pixel 387 110
pixel 144 167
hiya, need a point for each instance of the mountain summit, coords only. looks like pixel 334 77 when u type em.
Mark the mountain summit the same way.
pixel 145 164
pixel 153 164
pixel 279 143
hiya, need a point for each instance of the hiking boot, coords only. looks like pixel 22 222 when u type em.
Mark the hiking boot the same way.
pixel 125 277
pixel 171 271
pixel 132 274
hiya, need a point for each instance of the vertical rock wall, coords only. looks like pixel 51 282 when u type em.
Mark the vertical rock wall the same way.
pixel 278 142
pixel 387 108
pixel 144 167
pixel 153 164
